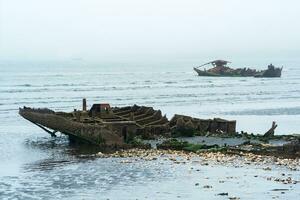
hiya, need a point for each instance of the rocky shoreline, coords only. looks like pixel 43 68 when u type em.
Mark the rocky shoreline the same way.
pixel 203 158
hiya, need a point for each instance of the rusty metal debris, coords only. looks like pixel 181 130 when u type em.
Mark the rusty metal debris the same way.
pixel 271 131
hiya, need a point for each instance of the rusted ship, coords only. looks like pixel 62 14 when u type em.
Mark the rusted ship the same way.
pixel 220 68
pixel 116 126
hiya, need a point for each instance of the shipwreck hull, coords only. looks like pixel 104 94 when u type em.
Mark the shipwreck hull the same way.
pixel 273 73
pixel 221 70
pixel 118 126
pixel 150 122
pixel 216 125
pixel 232 73
pixel 205 73
pixel 96 134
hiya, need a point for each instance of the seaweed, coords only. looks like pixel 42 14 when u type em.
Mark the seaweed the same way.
pixel 200 147
pixel 175 144
pixel 137 142
pixel 184 132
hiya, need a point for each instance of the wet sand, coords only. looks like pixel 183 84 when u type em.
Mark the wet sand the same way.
pixel 212 175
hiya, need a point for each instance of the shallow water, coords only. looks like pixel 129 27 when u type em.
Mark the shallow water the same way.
pixel 34 165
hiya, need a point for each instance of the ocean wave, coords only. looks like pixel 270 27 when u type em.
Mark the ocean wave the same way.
pixel 65 85
pixel 24 85
pixel 170 82
pixel 24 90
pixel 269 111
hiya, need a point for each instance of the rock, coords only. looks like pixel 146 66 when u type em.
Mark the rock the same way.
pixel 100 154
pixel 234 198
pixel 223 194
pixel 280 189
pixel 126 161
pixel 267 169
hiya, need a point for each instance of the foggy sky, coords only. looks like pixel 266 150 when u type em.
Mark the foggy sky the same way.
pixel 150 29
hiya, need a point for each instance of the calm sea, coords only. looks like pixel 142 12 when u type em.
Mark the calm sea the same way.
pixel 34 166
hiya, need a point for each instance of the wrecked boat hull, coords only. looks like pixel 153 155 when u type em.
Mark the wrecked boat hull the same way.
pixel 96 134
pixel 236 73
pixel 221 70
pixel 205 73
pixel 276 72
pixel 105 126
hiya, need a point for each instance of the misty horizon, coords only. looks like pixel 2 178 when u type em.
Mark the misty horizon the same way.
pixel 94 31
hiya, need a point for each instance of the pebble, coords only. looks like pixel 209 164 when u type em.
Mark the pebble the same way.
pixel 267 168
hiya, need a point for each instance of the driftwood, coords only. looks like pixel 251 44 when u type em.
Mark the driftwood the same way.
pixel 271 131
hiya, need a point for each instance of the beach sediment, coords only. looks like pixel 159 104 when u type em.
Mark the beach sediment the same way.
pixel 205 158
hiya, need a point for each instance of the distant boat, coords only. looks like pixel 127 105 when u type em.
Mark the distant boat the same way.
pixel 220 68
